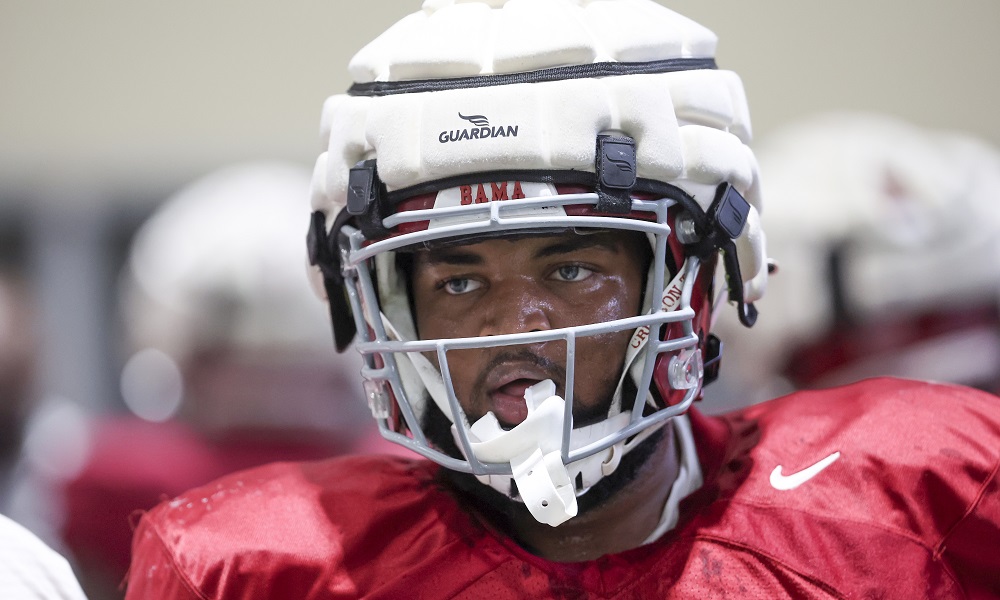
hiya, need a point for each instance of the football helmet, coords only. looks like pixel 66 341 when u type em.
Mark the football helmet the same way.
pixel 888 237
pixel 470 120
pixel 208 287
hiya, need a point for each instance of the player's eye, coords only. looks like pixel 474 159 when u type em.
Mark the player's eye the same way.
pixel 460 285
pixel 572 273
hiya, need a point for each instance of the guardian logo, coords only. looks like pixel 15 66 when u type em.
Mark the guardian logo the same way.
pixel 481 131
pixel 477 120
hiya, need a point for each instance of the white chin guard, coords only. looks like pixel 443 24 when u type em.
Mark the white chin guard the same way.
pixel 532 449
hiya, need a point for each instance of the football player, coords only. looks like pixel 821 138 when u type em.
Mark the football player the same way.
pixel 519 218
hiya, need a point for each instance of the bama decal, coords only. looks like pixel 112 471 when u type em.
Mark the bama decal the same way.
pixel 490 192
pixel 481 130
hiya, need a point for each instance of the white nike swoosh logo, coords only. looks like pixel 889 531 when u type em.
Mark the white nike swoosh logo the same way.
pixel 790 482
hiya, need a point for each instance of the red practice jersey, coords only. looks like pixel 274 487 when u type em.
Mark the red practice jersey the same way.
pixel 886 489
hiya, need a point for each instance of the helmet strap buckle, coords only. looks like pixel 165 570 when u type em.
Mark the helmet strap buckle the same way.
pixel 616 173
pixel 367 198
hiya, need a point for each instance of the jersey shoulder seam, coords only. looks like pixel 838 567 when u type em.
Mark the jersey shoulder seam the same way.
pixel 177 571
pixel 989 480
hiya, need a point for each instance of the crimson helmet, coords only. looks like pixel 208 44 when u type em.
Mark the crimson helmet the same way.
pixel 470 120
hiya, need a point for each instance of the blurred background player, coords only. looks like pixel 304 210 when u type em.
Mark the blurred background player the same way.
pixel 208 289
pixel 887 237
pixel 233 362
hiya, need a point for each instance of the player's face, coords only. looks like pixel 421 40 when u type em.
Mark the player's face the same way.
pixel 525 284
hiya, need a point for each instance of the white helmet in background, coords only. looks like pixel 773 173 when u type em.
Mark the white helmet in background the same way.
pixel 475 119
pixel 215 278
pixel 888 240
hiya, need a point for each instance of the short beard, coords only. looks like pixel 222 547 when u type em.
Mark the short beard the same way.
pixel 503 510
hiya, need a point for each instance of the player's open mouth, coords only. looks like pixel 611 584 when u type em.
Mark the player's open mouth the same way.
pixel 507 401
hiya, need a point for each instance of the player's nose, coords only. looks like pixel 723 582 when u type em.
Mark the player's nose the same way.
pixel 516 307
